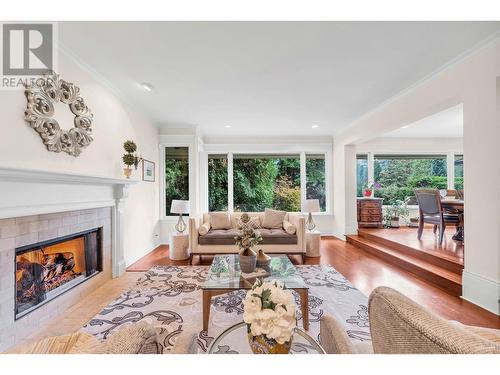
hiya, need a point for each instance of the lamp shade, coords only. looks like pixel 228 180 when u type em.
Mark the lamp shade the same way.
pixel 312 205
pixel 179 207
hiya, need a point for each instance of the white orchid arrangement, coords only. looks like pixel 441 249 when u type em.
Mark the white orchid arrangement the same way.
pixel 269 309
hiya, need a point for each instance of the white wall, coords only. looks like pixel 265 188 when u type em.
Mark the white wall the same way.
pixel 115 122
pixel 472 82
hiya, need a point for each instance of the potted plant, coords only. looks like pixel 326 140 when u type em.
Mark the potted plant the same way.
pixel 399 209
pixel 247 238
pixel 269 312
pixel 129 158
pixel 369 187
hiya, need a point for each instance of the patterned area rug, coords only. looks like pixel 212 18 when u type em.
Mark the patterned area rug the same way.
pixel 170 297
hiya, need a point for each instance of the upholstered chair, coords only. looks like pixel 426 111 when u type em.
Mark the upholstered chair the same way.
pixel 400 326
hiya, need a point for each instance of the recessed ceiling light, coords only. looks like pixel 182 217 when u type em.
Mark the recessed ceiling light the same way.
pixel 147 86
pixel 405 126
pixel 227 126
pixel 315 126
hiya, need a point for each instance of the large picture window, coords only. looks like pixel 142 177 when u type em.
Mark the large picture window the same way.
pixel 176 175
pixel 261 181
pixel 217 183
pixel 266 181
pixel 315 179
pixel 400 175
pixel 361 173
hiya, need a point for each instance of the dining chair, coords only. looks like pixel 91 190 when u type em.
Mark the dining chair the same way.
pixel 431 212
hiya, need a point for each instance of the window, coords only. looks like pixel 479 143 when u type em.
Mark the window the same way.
pixel 176 175
pixel 315 179
pixel 266 181
pixel 361 173
pixel 217 183
pixel 399 175
pixel 459 172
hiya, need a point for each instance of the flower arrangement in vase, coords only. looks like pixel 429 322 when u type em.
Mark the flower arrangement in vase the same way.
pixel 368 188
pixel 269 312
pixel 247 238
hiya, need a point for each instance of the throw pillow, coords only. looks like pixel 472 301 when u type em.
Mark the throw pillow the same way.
pixel 220 220
pixel 254 222
pixel 273 219
pixel 203 229
pixel 289 227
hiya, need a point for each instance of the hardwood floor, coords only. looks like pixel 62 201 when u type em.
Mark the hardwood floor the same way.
pixel 429 243
pixel 366 272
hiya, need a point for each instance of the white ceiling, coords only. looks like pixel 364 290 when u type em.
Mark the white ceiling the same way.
pixel 266 78
pixel 445 124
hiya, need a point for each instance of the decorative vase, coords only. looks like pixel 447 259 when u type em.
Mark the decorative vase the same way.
pixel 263 259
pixel 263 345
pixel 367 193
pixel 395 222
pixel 127 171
pixel 248 260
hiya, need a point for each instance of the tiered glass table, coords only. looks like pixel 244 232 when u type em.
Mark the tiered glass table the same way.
pixel 224 276
pixel 234 341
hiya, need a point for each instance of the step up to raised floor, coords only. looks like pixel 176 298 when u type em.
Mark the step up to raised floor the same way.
pixel 423 267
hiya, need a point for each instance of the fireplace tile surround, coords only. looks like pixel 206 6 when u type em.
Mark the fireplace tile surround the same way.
pixel 23 231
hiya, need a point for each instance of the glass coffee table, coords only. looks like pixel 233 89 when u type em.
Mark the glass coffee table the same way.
pixel 225 276
pixel 234 341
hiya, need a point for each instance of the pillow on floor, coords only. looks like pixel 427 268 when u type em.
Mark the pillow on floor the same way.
pixel 220 220
pixel 273 219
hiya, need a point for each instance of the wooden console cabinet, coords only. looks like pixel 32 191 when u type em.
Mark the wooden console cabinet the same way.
pixel 370 213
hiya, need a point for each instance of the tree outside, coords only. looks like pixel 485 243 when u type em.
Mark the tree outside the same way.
pixel 399 177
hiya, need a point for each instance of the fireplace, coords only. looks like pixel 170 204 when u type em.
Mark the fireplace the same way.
pixel 47 269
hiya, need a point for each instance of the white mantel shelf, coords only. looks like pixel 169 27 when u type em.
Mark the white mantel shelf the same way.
pixel 21 174
pixel 26 192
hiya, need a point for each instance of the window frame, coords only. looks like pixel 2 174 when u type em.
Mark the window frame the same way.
pixel 277 150
pixel 449 155
pixel 163 147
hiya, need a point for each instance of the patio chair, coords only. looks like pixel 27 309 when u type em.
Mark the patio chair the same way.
pixel 431 212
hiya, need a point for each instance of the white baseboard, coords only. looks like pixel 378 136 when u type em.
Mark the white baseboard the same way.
pixel 481 291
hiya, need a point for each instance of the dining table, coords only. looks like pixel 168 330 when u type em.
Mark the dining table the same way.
pixel 455 206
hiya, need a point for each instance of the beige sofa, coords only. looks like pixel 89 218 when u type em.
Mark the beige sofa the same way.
pixel 400 326
pixel 221 241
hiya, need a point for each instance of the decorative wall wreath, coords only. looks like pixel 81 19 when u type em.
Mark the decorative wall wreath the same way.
pixel 39 114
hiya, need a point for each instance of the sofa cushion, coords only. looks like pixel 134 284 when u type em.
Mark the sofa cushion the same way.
pixel 220 220
pixel 277 236
pixel 226 237
pixel 204 228
pixel 218 237
pixel 289 227
pixel 273 219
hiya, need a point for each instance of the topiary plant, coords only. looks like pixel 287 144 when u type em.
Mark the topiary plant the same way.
pixel 130 147
pixel 129 159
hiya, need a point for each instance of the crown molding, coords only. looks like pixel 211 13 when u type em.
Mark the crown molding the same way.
pixel 491 40
pixel 102 80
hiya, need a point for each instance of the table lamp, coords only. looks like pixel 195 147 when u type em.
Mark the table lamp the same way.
pixel 180 207
pixel 312 205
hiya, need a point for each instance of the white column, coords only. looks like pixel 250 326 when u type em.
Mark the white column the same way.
pixel 230 197
pixel 450 170
pixel 118 230
pixel 371 167
pixel 351 222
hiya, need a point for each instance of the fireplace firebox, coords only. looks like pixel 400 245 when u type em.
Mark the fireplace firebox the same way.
pixel 47 269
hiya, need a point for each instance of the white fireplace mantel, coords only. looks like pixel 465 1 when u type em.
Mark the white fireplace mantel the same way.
pixel 25 192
